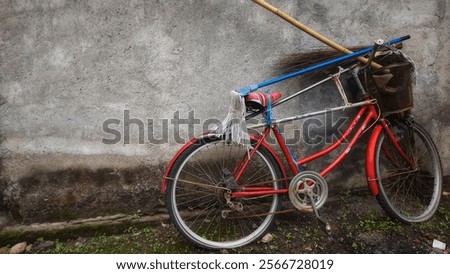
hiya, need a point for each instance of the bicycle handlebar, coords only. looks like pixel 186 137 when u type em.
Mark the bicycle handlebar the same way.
pixel 376 45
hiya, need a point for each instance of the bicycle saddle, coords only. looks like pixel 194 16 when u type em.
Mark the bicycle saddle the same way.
pixel 260 100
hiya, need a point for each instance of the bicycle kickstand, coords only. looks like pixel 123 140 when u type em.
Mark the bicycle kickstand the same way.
pixel 316 212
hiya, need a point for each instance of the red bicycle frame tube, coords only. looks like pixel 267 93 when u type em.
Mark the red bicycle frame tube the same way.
pixel 243 163
pixel 370 115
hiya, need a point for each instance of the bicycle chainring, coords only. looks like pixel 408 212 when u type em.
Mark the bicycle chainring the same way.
pixel 306 185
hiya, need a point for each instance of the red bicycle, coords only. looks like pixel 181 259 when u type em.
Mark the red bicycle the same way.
pixel 220 194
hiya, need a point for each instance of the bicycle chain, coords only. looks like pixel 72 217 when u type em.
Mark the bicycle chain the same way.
pixel 196 184
pixel 224 188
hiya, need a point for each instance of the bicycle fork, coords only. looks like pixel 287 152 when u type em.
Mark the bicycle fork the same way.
pixel 371 150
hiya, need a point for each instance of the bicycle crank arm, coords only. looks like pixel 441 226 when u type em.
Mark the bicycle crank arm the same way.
pixel 316 212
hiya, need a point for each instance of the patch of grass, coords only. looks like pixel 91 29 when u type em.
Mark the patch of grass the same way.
pixel 443 214
pixel 369 223
pixel 131 230
pixel 372 222
pixel 347 193
pixel 439 223
pixel 313 233
pixel 389 226
pixel 289 237
pixel 344 223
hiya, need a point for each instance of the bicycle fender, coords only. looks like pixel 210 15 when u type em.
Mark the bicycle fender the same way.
pixel 163 186
pixel 370 160
pixel 172 161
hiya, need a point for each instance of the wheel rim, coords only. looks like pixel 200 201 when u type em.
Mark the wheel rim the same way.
pixel 199 209
pixel 412 194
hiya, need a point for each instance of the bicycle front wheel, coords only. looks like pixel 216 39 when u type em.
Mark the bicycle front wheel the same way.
pixel 198 198
pixel 408 192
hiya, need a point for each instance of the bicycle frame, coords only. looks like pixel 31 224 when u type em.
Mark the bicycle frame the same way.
pixel 367 111
pixel 366 117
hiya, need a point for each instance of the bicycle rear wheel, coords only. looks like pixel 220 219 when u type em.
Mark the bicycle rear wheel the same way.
pixel 409 194
pixel 200 183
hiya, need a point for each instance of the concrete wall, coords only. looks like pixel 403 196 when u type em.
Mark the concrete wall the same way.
pixel 66 67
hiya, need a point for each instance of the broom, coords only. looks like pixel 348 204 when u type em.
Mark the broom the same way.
pixel 311 32
pixel 233 127
pixel 296 61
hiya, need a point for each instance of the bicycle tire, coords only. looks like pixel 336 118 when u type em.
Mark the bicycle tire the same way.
pixel 410 196
pixel 195 195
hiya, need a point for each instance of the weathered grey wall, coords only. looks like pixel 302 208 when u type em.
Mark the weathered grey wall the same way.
pixel 66 67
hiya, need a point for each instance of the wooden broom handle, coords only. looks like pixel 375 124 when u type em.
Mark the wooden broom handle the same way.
pixel 310 31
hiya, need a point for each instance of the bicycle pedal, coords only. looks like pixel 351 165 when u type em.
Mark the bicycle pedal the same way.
pixel 326 223
pixel 328 228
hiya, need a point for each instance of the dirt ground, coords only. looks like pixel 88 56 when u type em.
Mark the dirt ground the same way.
pixel 358 226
